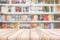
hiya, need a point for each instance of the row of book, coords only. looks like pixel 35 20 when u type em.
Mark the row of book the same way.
pixel 30 1
pixel 28 18
pixel 29 8
pixel 27 25
pixel 14 9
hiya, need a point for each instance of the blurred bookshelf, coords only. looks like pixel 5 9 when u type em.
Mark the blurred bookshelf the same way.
pixel 29 14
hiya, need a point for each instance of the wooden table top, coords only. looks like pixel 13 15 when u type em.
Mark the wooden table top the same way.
pixel 29 34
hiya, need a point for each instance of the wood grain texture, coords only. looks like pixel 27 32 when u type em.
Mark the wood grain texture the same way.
pixel 29 34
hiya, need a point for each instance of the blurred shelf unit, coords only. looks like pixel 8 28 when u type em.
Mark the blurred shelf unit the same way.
pixel 40 14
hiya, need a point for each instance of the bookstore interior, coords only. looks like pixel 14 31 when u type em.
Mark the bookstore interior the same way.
pixel 29 14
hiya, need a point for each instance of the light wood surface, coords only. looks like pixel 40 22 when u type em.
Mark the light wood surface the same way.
pixel 29 34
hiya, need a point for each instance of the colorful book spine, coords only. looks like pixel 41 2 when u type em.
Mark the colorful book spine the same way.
pixel 9 8
pixel 18 9
pixel 23 1
pixel 47 1
pixel 7 17
pixel 13 9
pixel 33 1
pixel 23 17
pixel 4 26
pixel 41 17
pixel 32 26
pixel 46 9
pixel 32 17
pixel 58 7
pixel 39 1
pixel 28 1
pixel 19 17
pixel 26 9
pixel 52 25
pixel 35 17
pixel 58 1
pixel 43 1
pixel 46 18
pixel 38 17
pixel 50 17
pixel 14 25
pixel 28 18
pixel 51 1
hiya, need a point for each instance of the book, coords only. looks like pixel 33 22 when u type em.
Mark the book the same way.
pixel 33 1
pixel 12 17
pixel 15 1
pixel 14 25
pixel 58 1
pixel 57 17
pixel 47 1
pixel 41 17
pixel 2 17
pixel 58 8
pixel 19 17
pixel 4 9
pixel 0 25
pixel 38 8
pixel 9 25
pixel 52 25
pixel 0 8
pixel 46 18
pixel 47 26
pixel 26 9
pixel 38 17
pixel 51 1
pixel 23 1
pixel 28 1
pixel 35 18
pixel 50 18
pixel 28 18
pixel 46 9
pixel 24 17
pixel 25 25
pixel 13 9
pixel 40 26
pixel 9 8
pixel 7 17
pixel 43 1
pixel 18 9
pixel 32 17
pixel 38 1
pixel 32 10
pixel 52 8
pixel 4 26
pixel 32 26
